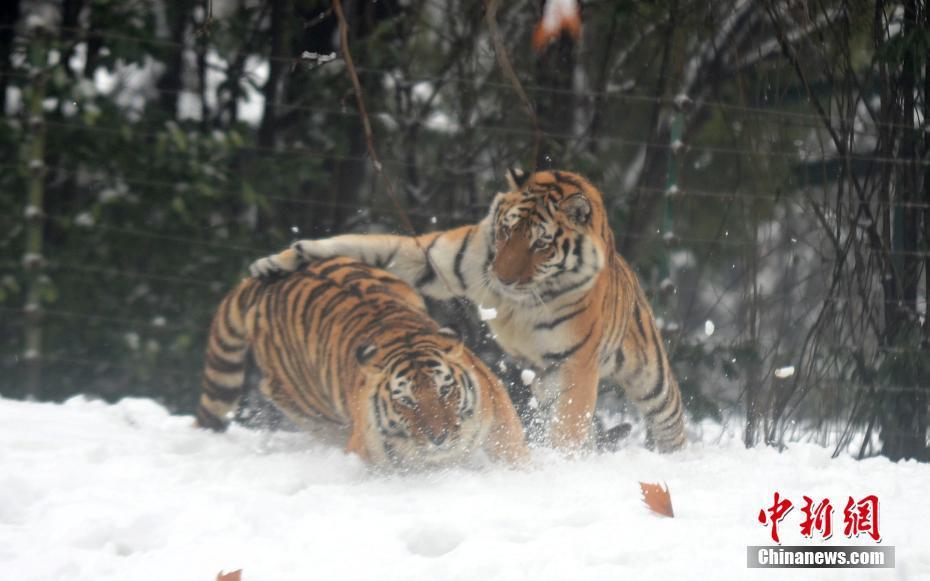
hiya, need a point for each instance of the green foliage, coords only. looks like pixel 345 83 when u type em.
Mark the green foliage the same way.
pixel 158 197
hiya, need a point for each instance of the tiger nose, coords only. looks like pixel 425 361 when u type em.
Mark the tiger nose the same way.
pixel 515 279
pixel 508 280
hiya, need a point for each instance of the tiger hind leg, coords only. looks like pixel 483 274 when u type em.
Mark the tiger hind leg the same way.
pixel 654 392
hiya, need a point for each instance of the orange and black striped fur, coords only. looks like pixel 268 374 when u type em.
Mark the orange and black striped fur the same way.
pixel 343 342
pixel 566 301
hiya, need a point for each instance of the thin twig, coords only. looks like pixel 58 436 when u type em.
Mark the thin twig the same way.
pixel 490 16
pixel 370 144
pixel 204 28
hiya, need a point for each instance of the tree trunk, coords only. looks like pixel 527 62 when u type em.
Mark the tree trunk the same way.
pixel 35 218
pixel 646 200
pixel 9 15
pixel 281 13
pixel 904 423
pixel 171 82
pixel 555 107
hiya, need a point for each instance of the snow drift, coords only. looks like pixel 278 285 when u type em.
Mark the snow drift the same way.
pixel 126 491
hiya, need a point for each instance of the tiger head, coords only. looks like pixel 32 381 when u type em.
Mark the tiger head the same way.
pixel 426 396
pixel 549 236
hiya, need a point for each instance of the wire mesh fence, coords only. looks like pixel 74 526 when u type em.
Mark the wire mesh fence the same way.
pixel 762 244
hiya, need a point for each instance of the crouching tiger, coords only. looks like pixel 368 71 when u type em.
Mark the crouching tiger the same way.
pixel 343 342
pixel 566 301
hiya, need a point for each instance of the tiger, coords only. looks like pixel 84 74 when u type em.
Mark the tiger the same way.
pixel 342 342
pixel 566 302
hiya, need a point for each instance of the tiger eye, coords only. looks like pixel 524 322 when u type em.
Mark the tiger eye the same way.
pixel 408 401
pixel 542 244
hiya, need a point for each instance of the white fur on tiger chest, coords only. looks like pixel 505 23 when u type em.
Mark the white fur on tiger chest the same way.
pixel 514 332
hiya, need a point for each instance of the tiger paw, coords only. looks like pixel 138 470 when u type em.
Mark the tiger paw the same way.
pixel 268 267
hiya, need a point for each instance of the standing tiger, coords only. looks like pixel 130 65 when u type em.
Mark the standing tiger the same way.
pixel 345 342
pixel 566 301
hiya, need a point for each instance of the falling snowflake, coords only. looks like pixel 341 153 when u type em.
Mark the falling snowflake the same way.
pixel 487 314
pixel 709 327
pixel 784 372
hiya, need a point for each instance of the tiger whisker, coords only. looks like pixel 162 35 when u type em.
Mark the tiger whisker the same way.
pixel 539 298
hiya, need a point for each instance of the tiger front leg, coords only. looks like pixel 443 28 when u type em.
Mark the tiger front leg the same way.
pixel 506 440
pixel 572 393
pixel 302 252
pixel 357 445
pixel 359 426
pixel 398 254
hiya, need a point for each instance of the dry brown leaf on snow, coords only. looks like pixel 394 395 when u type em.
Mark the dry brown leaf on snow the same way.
pixel 231 576
pixel 657 500
pixel 558 16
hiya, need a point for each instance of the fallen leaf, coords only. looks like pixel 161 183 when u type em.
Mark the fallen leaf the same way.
pixel 231 576
pixel 658 500
pixel 558 16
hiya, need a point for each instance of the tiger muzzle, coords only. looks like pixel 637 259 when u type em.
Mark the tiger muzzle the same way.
pixel 439 438
pixel 514 262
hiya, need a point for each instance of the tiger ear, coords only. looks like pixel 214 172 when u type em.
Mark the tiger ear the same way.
pixel 516 178
pixel 578 208
pixel 365 353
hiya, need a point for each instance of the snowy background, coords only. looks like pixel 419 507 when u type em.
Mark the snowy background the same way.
pixel 126 491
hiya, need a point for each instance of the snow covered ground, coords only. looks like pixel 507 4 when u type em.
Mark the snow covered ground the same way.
pixel 126 491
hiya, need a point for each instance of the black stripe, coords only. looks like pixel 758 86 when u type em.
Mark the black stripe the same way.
pixel 619 359
pixel 556 322
pixel 328 270
pixel 639 320
pixel 578 254
pixel 223 345
pixel 671 419
pixel 566 246
pixel 205 419
pixel 217 362
pixel 218 392
pixel 379 419
pixel 355 276
pixel 549 294
pixel 567 180
pixel 247 295
pixel 574 303
pixel 228 325
pixel 534 213
pixel 562 355
pixel 386 261
pixel 657 389
pixel 659 409
pixel 458 259
pixel 430 274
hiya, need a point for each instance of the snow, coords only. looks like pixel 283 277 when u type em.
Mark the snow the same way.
pixel 251 109
pixel 102 492
pixel 527 376
pixel 487 314
pixel 784 372
pixel 709 327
